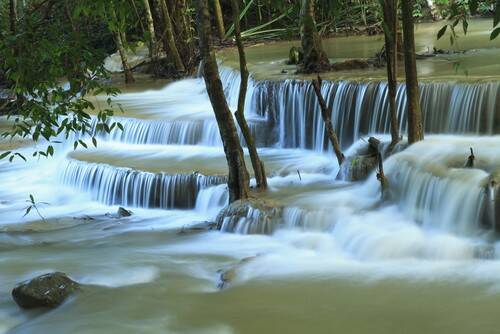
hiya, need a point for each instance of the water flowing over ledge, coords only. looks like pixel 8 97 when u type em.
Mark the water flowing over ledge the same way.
pixel 123 186
pixel 360 109
pixel 286 113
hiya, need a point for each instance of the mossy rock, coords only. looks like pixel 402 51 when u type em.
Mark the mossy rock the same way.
pixel 49 291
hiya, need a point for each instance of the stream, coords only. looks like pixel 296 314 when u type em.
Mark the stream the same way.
pixel 342 260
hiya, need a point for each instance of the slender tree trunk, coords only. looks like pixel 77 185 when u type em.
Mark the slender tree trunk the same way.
pixel 153 48
pixel 415 127
pixel 257 164
pixel 170 39
pixel 390 30
pixel 327 119
pixel 13 16
pixel 187 47
pixel 219 19
pixel 129 77
pixel 238 181
pixel 315 58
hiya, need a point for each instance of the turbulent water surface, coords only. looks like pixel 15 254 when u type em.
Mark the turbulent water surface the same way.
pixel 340 261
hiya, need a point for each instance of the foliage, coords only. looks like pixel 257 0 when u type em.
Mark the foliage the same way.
pixel 52 65
pixel 461 10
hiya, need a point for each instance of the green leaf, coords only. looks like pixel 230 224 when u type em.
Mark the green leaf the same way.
pixel 495 33
pixel 441 31
pixel 27 211
pixel 3 155
pixel 496 15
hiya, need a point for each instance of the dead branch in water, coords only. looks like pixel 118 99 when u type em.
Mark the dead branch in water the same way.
pixel 326 114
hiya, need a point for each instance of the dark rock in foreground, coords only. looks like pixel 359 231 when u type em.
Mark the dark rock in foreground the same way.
pixel 49 290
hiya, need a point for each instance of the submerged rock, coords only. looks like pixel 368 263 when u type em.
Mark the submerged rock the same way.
pixel 198 227
pixel 49 290
pixel 227 276
pixel 349 65
pixel 250 216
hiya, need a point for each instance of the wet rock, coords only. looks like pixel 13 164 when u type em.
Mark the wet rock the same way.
pixel 121 213
pixel 49 290
pixel 250 216
pixel 357 168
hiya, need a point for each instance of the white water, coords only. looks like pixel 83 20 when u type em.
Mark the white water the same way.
pixel 432 230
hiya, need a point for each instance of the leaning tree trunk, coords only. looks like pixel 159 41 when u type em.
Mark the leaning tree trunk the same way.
pixel 219 19
pixel 390 30
pixel 257 164
pixel 327 119
pixel 117 35
pixel 170 39
pixel 13 16
pixel 315 58
pixel 238 181
pixel 415 127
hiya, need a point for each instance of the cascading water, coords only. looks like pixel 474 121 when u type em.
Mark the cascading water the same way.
pixel 122 186
pixel 335 241
pixel 361 108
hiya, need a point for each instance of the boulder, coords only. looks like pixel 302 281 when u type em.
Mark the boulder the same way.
pixel 49 290
pixel 250 216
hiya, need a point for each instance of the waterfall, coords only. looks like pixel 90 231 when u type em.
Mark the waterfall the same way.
pixel 164 132
pixel 359 109
pixel 127 187
pixel 432 186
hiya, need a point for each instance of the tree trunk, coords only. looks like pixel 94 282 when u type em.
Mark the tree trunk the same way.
pixel 13 16
pixel 315 58
pixel 257 164
pixel 219 19
pixel 238 181
pixel 327 119
pixel 390 30
pixel 415 127
pixel 170 39
pixel 153 48
pixel 129 77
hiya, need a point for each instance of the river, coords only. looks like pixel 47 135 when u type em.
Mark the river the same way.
pixel 340 261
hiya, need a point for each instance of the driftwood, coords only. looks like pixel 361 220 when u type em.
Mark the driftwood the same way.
pixel 326 114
